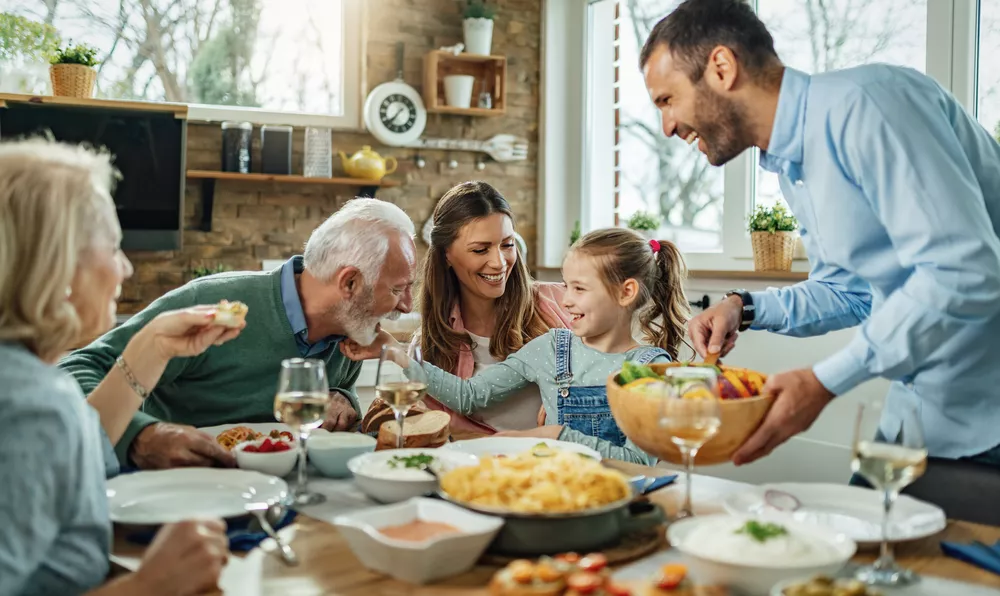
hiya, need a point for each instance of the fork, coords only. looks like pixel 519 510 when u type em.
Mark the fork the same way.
pixel 261 512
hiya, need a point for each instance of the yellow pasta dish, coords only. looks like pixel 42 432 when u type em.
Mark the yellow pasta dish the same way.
pixel 537 481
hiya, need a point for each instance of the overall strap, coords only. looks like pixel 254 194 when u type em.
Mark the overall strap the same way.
pixel 564 339
pixel 649 353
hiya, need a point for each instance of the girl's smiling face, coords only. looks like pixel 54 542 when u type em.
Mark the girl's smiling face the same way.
pixel 594 310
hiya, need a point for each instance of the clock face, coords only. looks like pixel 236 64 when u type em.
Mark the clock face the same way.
pixel 397 113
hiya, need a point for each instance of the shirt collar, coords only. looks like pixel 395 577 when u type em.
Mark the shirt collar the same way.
pixel 786 145
pixel 290 299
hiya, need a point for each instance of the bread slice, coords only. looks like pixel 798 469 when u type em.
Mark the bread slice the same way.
pixel 379 412
pixel 230 314
pixel 430 429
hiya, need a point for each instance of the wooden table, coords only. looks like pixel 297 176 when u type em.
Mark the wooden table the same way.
pixel 329 567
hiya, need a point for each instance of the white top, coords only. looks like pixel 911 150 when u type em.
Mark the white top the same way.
pixel 520 410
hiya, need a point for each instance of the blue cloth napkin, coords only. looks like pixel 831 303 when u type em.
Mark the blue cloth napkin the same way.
pixel 982 556
pixel 241 539
pixel 657 484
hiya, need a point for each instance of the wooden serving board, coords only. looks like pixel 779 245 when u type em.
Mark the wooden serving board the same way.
pixel 631 547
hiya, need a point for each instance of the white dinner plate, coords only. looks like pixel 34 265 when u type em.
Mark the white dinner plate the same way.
pixel 509 446
pixel 261 427
pixel 167 496
pixel 854 511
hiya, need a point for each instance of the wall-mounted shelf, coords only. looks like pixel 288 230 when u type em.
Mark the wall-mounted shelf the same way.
pixel 490 73
pixel 178 109
pixel 209 177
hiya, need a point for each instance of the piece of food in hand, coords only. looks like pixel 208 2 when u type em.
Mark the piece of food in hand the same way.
pixel 526 578
pixel 379 412
pixel 430 429
pixel 230 314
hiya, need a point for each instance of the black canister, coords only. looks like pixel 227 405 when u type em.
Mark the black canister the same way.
pixel 236 138
pixel 276 149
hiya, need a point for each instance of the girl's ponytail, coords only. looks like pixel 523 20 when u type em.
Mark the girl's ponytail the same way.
pixel 664 318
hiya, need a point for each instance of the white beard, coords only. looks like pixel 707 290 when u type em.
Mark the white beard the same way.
pixel 356 317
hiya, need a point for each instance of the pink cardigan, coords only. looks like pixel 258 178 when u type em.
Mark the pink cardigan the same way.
pixel 549 305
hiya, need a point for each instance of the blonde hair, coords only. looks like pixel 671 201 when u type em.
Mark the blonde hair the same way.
pixel 54 201
pixel 623 254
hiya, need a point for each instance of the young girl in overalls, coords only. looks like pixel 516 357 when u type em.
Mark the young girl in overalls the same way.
pixel 612 277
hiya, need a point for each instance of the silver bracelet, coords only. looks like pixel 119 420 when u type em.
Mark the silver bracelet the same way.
pixel 130 378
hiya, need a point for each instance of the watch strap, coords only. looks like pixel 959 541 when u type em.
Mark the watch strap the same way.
pixel 749 309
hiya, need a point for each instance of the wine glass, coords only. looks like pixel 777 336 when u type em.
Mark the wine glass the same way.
pixel 302 401
pixel 690 414
pixel 400 382
pixel 888 465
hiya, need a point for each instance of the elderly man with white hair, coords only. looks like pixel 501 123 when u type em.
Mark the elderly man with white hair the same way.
pixel 357 268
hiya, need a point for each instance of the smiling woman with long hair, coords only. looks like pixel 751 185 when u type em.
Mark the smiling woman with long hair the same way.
pixel 477 301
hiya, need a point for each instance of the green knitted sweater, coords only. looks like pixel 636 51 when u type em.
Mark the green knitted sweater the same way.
pixel 234 382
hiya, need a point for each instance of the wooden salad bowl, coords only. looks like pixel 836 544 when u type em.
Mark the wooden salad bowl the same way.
pixel 638 416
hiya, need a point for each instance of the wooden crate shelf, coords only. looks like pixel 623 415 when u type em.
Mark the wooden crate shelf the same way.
pixel 490 73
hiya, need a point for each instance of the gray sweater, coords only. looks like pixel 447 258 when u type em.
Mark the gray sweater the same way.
pixel 53 508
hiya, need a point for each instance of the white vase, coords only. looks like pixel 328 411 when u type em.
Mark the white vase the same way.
pixel 458 90
pixel 478 36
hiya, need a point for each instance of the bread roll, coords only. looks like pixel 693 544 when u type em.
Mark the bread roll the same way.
pixel 430 429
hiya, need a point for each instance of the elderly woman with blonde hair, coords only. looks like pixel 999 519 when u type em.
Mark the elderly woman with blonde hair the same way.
pixel 61 271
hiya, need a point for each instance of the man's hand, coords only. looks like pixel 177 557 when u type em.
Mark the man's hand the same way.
pixel 163 445
pixel 550 431
pixel 341 415
pixel 799 399
pixel 715 329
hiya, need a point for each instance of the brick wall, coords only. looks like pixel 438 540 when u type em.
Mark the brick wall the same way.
pixel 255 221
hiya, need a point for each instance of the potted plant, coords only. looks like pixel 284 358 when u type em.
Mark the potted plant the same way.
pixel 644 222
pixel 477 27
pixel 772 235
pixel 72 71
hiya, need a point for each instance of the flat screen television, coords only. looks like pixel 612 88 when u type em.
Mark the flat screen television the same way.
pixel 148 149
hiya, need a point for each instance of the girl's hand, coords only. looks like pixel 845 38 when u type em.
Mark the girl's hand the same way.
pixel 185 332
pixel 550 431
pixel 356 351
pixel 541 416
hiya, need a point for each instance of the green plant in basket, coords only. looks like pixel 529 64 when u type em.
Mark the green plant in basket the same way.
pixel 477 9
pixel 81 54
pixel 772 219
pixel 644 221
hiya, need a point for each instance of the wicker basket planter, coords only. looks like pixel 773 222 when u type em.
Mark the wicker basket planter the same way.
pixel 773 251
pixel 72 80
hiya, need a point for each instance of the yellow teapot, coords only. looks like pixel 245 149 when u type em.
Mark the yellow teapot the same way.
pixel 367 164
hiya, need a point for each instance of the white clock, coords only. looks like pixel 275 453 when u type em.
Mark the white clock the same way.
pixel 395 114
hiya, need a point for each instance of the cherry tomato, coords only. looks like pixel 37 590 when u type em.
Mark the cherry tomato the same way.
pixel 617 590
pixel 594 562
pixel 585 583
pixel 571 558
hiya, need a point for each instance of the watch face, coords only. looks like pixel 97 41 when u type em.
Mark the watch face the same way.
pixel 397 113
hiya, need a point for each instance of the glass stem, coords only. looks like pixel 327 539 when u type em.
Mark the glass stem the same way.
pixel 689 454
pixel 301 484
pixel 885 559
pixel 400 417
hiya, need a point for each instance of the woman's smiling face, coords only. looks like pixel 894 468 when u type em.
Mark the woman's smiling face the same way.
pixel 483 254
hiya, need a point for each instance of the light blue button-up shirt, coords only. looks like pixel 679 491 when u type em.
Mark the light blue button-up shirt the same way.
pixel 296 316
pixel 897 192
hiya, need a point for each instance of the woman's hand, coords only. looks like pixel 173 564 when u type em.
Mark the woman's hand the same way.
pixel 373 351
pixel 186 332
pixel 184 558
pixel 550 431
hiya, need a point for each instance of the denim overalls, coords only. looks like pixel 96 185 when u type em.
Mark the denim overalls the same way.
pixel 586 409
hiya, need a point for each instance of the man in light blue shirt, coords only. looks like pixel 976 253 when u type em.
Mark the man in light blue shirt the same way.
pixel 897 192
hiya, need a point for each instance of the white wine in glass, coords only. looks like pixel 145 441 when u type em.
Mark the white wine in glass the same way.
pixel 690 416
pixel 889 466
pixel 302 401
pixel 400 382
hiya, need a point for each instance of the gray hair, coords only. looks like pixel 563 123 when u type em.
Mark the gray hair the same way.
pixel 357 235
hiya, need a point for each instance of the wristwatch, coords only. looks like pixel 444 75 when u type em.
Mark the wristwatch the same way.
pixel 749 310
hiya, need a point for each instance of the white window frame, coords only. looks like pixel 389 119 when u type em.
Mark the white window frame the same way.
pixel 355 86
pixel 572 116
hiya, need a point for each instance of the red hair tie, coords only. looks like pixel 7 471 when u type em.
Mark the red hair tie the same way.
pixel 656 246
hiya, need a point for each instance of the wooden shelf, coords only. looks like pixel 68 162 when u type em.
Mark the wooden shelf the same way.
pixel 208 178
pixel 489 72
pixel 178 109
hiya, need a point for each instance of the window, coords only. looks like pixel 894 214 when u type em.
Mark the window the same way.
pixel 988 100
pixel 660 175
pixel 272 56
pixel 816 36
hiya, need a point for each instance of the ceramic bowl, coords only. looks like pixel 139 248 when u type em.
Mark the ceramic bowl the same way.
pixel 418 562
pixel 275 463
pixel 330 452
pixel 376 477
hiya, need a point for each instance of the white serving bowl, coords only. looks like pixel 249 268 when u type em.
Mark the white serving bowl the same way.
pixel 757 579
pixel 276 463
pixel 375 480
pixel 330 452
pixel 424 561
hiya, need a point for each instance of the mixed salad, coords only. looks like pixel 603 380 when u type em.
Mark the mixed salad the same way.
pixel 734 383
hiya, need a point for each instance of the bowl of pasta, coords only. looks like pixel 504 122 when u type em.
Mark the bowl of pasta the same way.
pixel 552 501
pixel 635 395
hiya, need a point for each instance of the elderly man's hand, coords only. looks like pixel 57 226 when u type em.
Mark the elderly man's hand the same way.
pixel 341 415
pixel 799 400
pixel 163 445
